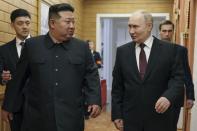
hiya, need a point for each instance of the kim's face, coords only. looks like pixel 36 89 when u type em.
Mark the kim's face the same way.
pixel 64 26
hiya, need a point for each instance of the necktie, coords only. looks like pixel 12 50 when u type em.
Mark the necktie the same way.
pixel 142 61
pixel 22 46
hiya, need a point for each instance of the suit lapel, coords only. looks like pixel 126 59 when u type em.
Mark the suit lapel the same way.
pixel 134 62
pixel 154 57
pixel 13 51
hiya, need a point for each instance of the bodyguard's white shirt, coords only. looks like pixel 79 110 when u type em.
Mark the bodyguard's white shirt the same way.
pixel 147 49
pixel 18 46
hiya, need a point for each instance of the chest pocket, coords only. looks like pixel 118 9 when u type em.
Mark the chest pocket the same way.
pixel 76 61
pixel 38 66
pixel 77 65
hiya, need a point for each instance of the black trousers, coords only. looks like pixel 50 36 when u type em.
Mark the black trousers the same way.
pixel 16 123
pixel 177 111
pixel 86 113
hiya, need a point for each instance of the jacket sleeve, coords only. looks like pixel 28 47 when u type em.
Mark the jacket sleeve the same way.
pixel 188 76
pixel 92 88
pixel 175 91
pixel 117 90
pixel 14 93
pixel 1 67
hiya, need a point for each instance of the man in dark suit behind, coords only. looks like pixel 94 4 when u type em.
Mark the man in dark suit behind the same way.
pixel 96 55
pixel 166 29
pixel 147 81
pixel 57 66
pixel 97 59
pixel 9 55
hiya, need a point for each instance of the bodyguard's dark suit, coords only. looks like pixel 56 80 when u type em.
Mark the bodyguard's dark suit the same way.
pixel 188 82
pixel 187 72
pixel 133 99
pixel 56 75
pixel 8 61
pixel 97 58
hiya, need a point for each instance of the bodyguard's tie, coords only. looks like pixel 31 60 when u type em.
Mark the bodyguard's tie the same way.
pixel 142 61
pixel 22 46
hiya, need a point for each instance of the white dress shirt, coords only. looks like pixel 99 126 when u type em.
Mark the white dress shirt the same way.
pixel 147 49
pixel 18 46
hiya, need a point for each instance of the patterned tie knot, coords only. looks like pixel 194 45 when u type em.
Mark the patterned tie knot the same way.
pixel 142 45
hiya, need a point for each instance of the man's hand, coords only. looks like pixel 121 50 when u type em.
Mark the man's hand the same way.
pixel 6 76
pixel 94 110
pixel 119 124
pixel 162 105
pixel 6 116
pixel 189 103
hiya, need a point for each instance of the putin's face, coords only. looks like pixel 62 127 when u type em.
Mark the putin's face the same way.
pixel 139 28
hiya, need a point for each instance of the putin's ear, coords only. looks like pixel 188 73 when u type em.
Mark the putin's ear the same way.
pixel 150 25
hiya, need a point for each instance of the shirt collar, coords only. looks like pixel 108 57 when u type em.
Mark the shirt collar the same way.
pixel 53 38
pixel 18 41
pixel 148 42
pixel 51 42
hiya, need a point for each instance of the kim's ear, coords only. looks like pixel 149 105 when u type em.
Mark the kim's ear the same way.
pixel 51 23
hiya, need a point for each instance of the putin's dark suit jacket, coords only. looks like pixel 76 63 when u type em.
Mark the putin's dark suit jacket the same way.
pixel 133 99
pixel 56 75
pixel 8 61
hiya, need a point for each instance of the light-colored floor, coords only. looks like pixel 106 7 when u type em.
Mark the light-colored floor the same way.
pixel 101 123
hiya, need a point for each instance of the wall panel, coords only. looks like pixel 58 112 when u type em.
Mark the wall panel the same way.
pixel 93 7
